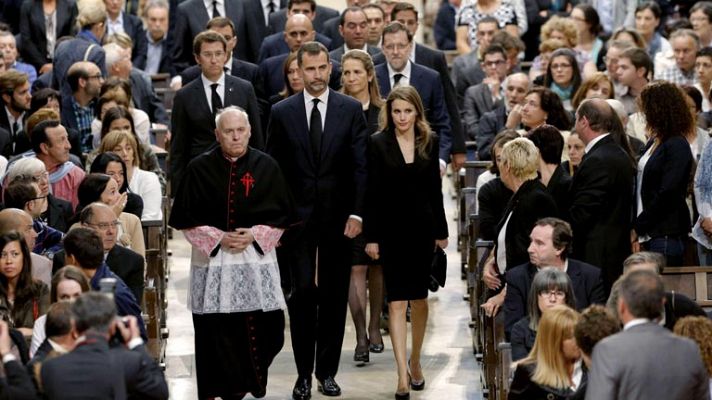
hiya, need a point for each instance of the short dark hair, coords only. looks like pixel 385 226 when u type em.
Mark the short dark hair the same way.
pixel 342 18
pixel 375 7
pixel 403 6
pixel 703 52
pixel 599 117
pixel 652 6
pixel 38 135
pixel 549 141
pixel 59 319
pixel 312 3
pixel 562 236
pixel 85 246
pixel 221 22
pixel 488 19
pixel 643 294
pixel 494 49
pixel 208 37
pixel 91 188
pixel 640 59
pixel 41 97
pixel 18 193
pixel 596 323
pixel 73 76
pixel 93 311
pixel 395 27
pixel 507 40
pixel 313 49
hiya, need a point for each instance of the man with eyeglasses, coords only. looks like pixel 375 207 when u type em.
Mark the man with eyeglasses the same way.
pixel 551 241
pixel 400 70
pixel 78 110
pixel 125 263
pixel 489 94
pixel 14 219
pixel 197 104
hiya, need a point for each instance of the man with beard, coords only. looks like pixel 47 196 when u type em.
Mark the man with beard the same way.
pixel 85 81
pixel 16 97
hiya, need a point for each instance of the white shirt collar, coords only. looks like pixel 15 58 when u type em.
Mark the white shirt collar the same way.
pixel 207 82
pixel 635 322
pixel 119 20
pixel 11 119
pixel 593 142
pixel 577 375
pixel 364 48
pixel 57 347
pixel 412 52
pixel 324 97
pixel 228 65
pixel 405 72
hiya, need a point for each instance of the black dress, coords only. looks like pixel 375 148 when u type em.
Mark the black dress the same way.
pixel 404 214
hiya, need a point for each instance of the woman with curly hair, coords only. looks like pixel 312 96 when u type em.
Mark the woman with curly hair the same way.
pixel 597 86
pixel 662 219
pixel 565 30
pixel 699 329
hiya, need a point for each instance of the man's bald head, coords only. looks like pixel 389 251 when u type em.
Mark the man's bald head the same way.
pixel 14 219
pixel 102 219
pixel 515 88
pixel 593 118
pixel 297 31
pixel 86 71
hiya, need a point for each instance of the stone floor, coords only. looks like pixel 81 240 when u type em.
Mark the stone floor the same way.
pixel 449 366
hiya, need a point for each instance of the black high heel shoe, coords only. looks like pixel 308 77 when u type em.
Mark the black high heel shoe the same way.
pixel 361 357
pixel 376 347
pixel 403 396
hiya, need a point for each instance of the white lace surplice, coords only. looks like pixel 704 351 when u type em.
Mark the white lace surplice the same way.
pixel 234 282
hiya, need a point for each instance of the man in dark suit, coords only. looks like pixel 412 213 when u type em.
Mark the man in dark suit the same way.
pixel 601 193
pixel 196 104
pixel 489 94
pixel 353 28
pixel 16 98
pixel 492 122
pixel 465 64
pixel 399 70
pixel 406 14
pixel 645 360
pixel 96 370
pixel 117 21
pixel 193 15
pixel 376 18
pixel 84 80
pixel 276 43
pixel 60 336
pixel 158 53
pixel 551 241
pixel 319 139
pixel 321 14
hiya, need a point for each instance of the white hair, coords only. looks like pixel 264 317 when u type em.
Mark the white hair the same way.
pixel 114 54
pixel 231 109
pixel 28 166
pixel 155 3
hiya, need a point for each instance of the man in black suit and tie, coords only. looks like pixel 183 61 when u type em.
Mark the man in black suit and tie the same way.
pixel 406 14
pixel 278 19
pixel 117 21
pixel 16 98
pixel 551 241
pixel 96 370
pixel 261 10
pixel 601 193
pixel 353 28
pixel 197 103
pixel 399 70
pixel 158 54
pixel 193 15
pixel 319 139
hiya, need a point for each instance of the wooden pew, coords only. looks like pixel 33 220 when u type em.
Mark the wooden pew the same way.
pixel 156 345
pixel 494 335
pixel 161 80
pixel 467 196
pixel 167 95
pixel 504 368
pixel 693 282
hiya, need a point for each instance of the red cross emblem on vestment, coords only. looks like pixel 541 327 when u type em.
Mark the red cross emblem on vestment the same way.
pixel 248 181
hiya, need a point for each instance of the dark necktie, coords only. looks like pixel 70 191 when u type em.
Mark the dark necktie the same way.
pixel 396 79
pixel 215 99
pixel 271 6
pixel 15 132
pixel 216 13
pixel 315 129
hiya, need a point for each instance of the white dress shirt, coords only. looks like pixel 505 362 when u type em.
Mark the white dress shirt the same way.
pixel 593 142
pixel 265 8
pixel 209 90
pixel 209 7
pixel 405 80
pixel 309 105
pixel 116 26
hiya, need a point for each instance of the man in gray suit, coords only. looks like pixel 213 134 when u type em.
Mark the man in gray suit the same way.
pixel 489 94
pixel 645 361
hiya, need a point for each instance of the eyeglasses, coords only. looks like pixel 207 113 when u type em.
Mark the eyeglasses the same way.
pixel 38 198
pixel 560 66
pixel 106 225
pixel 557 294
pixel 40 177
pixel 493 63
pixel 10 255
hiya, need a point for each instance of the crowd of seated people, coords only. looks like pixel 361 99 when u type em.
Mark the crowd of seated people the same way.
pixel 595 115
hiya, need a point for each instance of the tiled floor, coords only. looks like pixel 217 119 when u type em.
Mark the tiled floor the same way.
pixel 448 363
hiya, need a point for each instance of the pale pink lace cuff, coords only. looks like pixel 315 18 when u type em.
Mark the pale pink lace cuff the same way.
pixel 204 238
pixel 266 237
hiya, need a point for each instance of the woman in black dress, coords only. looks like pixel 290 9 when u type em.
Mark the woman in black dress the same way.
pixel 404 221
pixel 358 80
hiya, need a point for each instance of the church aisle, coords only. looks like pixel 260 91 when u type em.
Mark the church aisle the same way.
pixel 448 363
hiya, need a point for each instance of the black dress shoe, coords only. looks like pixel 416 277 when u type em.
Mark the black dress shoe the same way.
pixel 329 387
pixel 361 357
pixel 302 389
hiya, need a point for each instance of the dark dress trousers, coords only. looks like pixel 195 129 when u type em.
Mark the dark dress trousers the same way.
pixel 193 121
pixel 33 33
pixel 279 18
pixel 427 82
pixel 600 211
pixel 585 280
pixel 327 187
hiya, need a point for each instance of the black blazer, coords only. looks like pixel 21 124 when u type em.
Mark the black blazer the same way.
pixel 523 388
pixel 32 29
pixel 427 82
pixel 678 306
pixel 331 30
pixel 372 118
pixel 256 12
pixel 664 188
pixel 529 204
pixel 191 19
pixel 272 72
pixel 274 45
pixel 490 124
pixel 586 282
pixel 522 339
pixel 194 124
pixel 374 52
pixel 145 97
pixel 558 187
pixel 133 26
pixel 59 213
pixel 600 211
pixel 435 60
pixel 241 69
pixel 279 18
pixel 493 198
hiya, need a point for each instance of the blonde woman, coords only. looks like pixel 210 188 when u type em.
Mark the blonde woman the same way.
pixel 553 369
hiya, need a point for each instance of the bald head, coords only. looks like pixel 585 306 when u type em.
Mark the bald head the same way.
pixel 593 118
pixel 85 76
pixel 14 219
pixel 516 88
pixel 102 219
pixel 298 30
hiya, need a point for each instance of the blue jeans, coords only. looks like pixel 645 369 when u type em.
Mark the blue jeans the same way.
pixel 672 247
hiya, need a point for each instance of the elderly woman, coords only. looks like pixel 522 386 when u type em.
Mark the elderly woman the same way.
pixel 59 212
pixel 553 369
pixel 550 287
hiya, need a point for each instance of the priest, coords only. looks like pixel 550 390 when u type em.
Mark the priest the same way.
pixel 233 206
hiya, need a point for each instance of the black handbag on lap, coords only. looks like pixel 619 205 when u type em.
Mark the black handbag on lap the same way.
pixel 438 270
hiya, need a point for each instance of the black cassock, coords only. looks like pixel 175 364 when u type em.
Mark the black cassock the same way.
pixel 233 350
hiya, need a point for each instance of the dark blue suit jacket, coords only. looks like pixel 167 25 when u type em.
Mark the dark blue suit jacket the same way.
pixel 279 18
pixel 241 69
pixel 444 27
pixel 274 45
pixel 585 278
pixel 271 71
pixel 427 82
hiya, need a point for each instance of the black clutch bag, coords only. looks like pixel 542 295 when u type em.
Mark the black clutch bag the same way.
pixel 438 270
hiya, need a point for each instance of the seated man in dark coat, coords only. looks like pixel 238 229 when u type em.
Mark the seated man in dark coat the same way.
pixel 551 241
pixel 60 338
pixel 93 369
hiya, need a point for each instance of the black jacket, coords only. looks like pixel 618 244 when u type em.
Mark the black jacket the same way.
pixel 493 198
pixel 523 388
pixel 33 33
